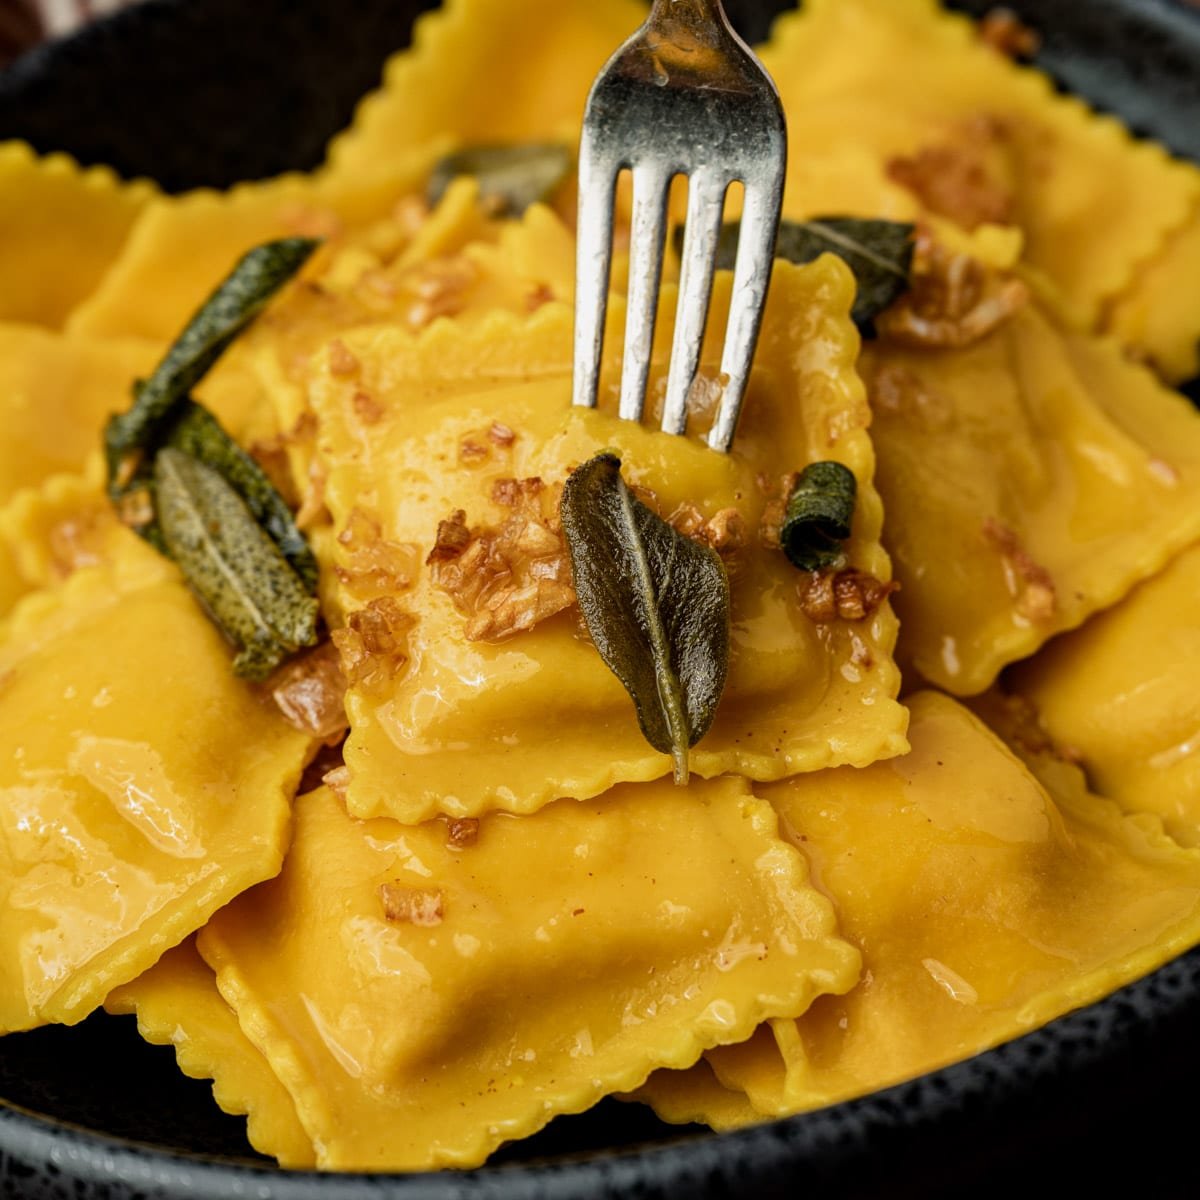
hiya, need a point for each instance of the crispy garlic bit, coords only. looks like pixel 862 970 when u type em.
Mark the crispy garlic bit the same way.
pixel 849 595
pixel 724 531
pixel 954 300
pixel 1030 584
pixel 1007 34
pixel 412 906
pixel 462 832
pixel 966 178
pixel 310 692
pixel 509 577
pixel 373 643
pixel 373 564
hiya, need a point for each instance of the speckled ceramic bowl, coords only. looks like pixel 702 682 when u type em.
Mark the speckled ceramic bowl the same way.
pixel 196 92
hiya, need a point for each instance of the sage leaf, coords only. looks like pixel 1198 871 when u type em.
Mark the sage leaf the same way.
pixel 199 435
pixel 818 515
pixel 878 252
pixel 656 605
pixel 510 177
pixel 233 567
pixel 258 275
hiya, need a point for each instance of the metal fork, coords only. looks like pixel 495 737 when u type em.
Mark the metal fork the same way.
pixel 686 96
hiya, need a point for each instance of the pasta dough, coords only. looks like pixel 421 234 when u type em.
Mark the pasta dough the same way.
pixel 427 1041
pixel 551 720
pixel 140 792
pixel 177 1004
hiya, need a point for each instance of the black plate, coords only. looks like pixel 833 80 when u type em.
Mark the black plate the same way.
pixel 208 92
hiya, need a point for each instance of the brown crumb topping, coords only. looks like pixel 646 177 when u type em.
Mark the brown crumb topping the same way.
pixel 1007 34
pixel 954 300
pixel 725 531
pixel 337 780
pixel 368 410
pixel 963 179
pixel 441 288
pixel 411 906
pixel 1029 583
pixel 847 595
pixel 373 643
pixel 310 692
pixel 462 832
pixel 500 434
pixel 506 578
pixel 371 562
pixel 341 360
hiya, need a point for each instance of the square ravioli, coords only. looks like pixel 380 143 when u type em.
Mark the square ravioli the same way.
pixel 61 226
pixel 986 899
pixel 1120 695
pixel 55 393
pixel 975 137
pixel 177 1004
pixel 426 993
pixel 143 786
pixel 1030 480
pixel 446 718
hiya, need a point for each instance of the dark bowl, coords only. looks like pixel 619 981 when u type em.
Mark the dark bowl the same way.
pixel 209 92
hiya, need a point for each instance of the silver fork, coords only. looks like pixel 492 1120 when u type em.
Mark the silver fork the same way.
pixel 683 96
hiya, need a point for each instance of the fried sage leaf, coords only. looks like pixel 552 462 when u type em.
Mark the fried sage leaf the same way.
pixel 878 252
pixel 199 435
pixel 234 568
pixel 818 516
pixel 258 275
pixel 656 605
pixel 510 177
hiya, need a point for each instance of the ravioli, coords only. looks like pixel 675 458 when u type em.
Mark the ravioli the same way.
pixel 177 1004
pixel 896 76
pixel 1121 693
pixel 1156 316
pixel 143 786
pixel 555 959
pixel 61 225
pixel 55 393
pixel 182 246
pixel 467 726
pixel 453 83
pixel 1030 480
pixel 984 908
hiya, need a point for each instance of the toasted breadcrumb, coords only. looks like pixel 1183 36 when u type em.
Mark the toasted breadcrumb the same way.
pixel 953 301
pixel 411 906
pixel 847 595
pixel 1029 583
pixel 462 832
pixel 310 693
pixel 373 643
pixel 1007 34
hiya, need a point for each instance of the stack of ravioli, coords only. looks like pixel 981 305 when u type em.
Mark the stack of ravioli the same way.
pixel 905 840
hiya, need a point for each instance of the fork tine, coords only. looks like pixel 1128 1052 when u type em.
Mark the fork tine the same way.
pixel 650 182
pixel 751 277
pixel 706 203
pixel 593 258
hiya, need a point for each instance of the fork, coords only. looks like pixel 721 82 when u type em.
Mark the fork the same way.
pixel 683 96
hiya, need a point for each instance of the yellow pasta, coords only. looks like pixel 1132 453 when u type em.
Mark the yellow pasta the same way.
pixel 498 907
pixel 516 723
pixel 480 1008
pixel 60 227
pixel 1121 694
pixel 145 787
pixel 55 394
pixel 897 76
pixel 984 907
pixel 177 1004
pixel 1029 479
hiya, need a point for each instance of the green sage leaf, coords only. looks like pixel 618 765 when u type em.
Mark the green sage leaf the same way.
pixel 656 605
pixel 232 566
pixel 510 177
pixel 199 435
pixel 878 252
pixel 818 516
pixel 257 276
